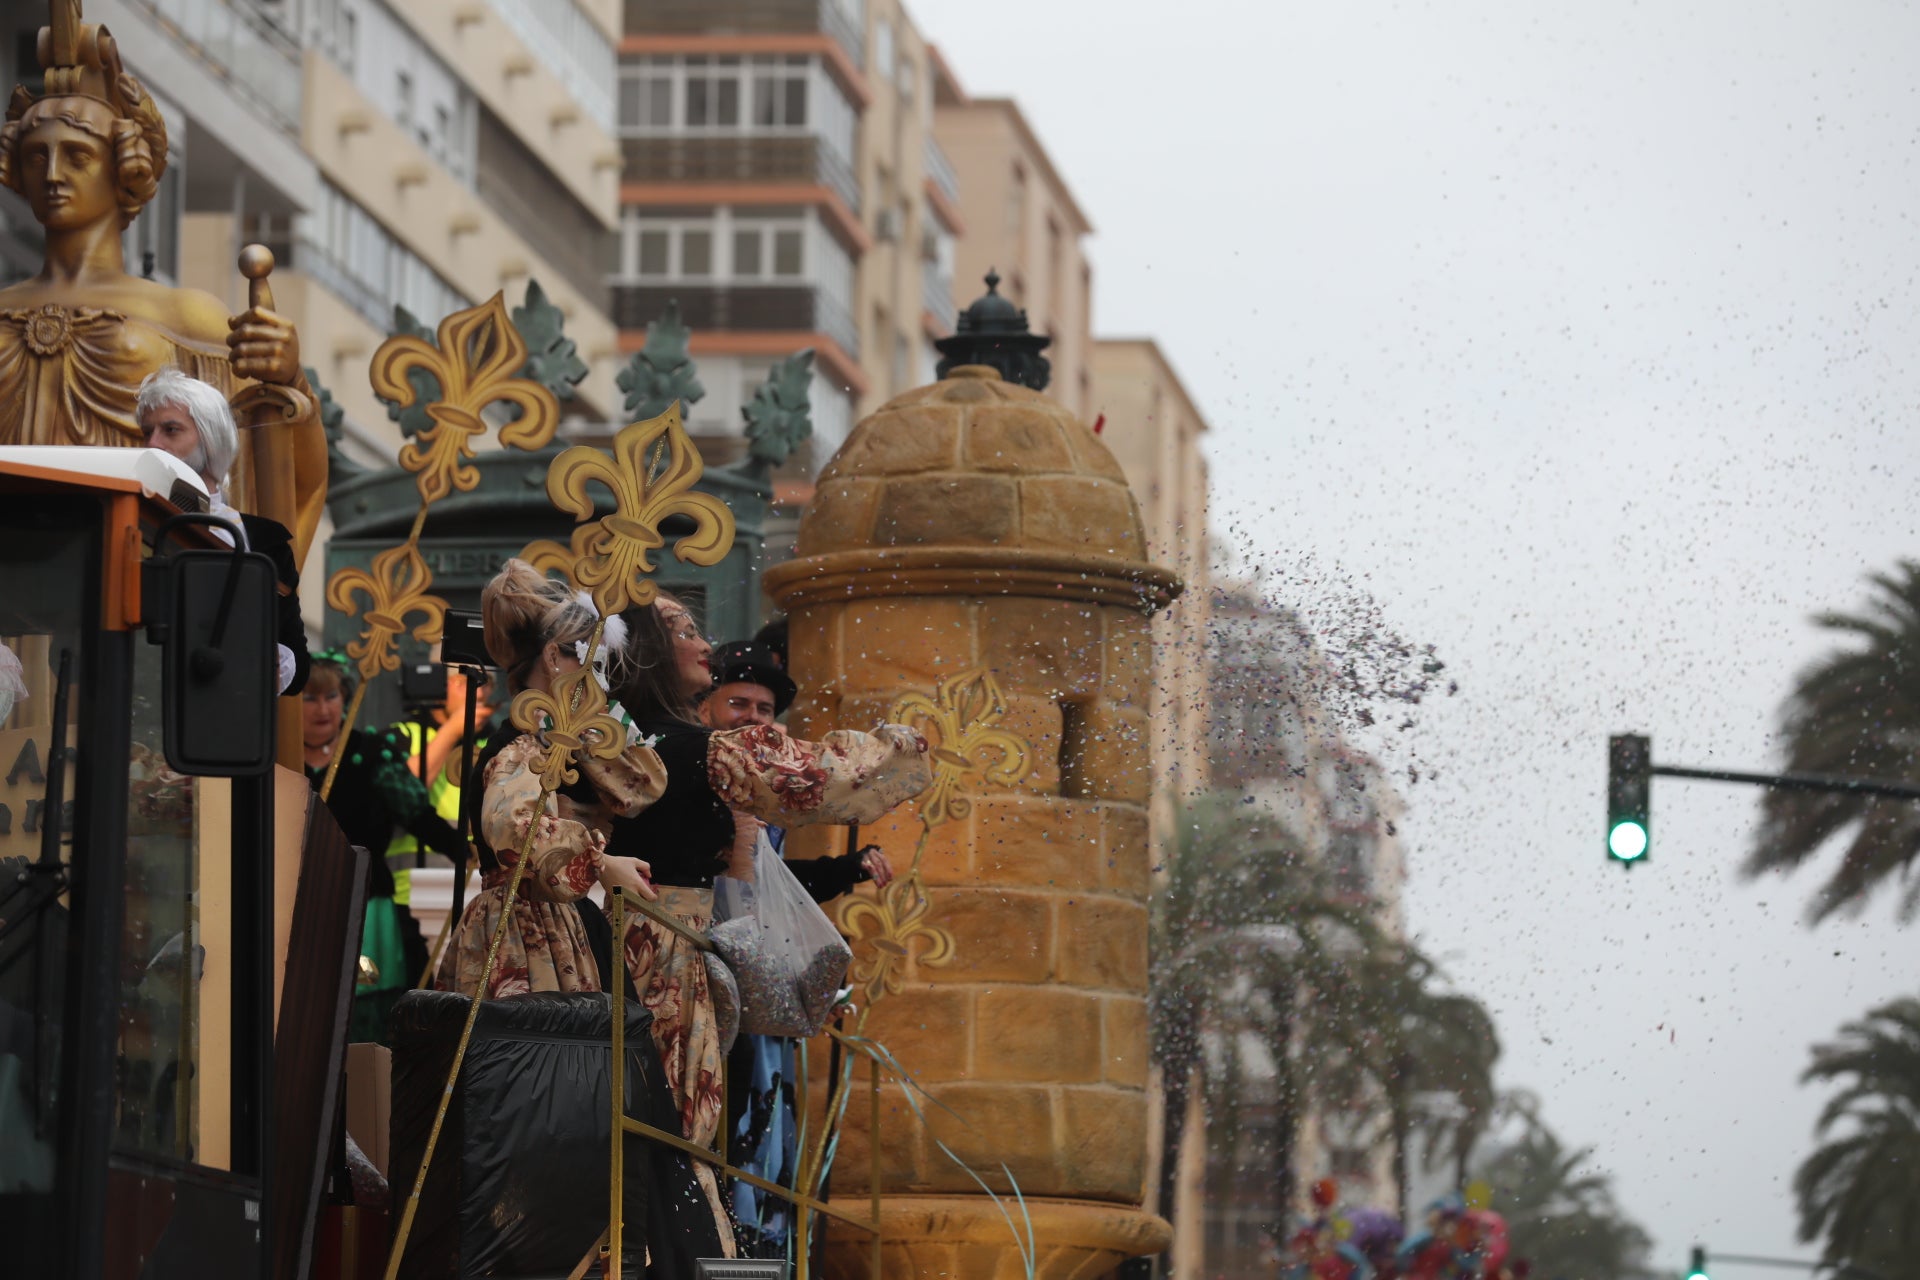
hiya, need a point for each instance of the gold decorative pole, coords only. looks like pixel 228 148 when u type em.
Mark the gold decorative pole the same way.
pixel 617 1087
pixel 265 406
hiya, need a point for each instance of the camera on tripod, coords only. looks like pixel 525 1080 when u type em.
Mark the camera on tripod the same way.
pixel 423 687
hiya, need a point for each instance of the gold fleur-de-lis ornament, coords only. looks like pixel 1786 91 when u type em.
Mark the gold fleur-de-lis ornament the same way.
pixel 961 720
pixel 475 359
pixel 396 587
pixel 896 925
pixel 570 718
pixel 612 556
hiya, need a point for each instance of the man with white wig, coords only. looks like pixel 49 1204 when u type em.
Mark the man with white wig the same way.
pixel 191 420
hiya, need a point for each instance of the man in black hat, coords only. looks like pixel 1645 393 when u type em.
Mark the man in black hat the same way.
pixel 751 686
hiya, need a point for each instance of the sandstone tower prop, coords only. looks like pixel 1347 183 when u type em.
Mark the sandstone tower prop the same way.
pixel 966 529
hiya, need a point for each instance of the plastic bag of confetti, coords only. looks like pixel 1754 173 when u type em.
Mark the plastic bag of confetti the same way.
pixel 789 961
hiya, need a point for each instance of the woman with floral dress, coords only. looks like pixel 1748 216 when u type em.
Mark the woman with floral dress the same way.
pixel 689 834
pixel 536 631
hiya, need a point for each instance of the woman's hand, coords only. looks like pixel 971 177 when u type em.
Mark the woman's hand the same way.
pixel 629 874
pixel 875 864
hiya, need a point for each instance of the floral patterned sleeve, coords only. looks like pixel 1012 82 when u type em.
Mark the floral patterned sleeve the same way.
pixel 565 857
pixel 628 783
pixel 847 777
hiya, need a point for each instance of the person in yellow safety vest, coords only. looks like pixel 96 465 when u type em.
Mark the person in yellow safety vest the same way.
pixel 443 750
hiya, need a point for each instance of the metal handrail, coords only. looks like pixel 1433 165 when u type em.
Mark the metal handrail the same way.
pixel 624 1124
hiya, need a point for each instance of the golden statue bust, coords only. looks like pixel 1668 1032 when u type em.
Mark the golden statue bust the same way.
pixel 76 339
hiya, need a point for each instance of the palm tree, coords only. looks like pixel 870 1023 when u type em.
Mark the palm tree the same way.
pixel 1248 936
pixel 1433 1060
pixel 1855 713
pixel 1859 1192
pixel 1559 1215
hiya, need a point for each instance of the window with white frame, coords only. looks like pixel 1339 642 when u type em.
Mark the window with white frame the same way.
pixel 646 95
pixel 734 94
pixel 779 93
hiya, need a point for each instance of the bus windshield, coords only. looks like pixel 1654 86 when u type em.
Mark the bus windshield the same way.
pixel 47 559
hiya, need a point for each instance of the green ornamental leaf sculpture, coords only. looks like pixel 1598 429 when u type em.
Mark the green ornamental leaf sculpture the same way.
pixel 661 373
pixel 553 360
pixel 779 414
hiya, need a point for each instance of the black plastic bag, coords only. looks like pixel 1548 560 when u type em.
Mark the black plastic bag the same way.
pixel 518 1186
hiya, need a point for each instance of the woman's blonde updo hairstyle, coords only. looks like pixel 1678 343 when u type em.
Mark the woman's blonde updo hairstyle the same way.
pixel 522 611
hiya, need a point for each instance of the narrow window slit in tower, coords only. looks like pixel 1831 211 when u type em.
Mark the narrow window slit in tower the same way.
pixel 1074 782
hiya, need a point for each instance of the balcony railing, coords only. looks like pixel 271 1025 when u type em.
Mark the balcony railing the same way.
pixel 572 47
pixel 799 308
pixel 371 302
pixel 749 17
pixel 739 158
pixel 251 53
pixel 940 169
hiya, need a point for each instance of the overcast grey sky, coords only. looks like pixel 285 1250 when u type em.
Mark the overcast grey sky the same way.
pixel 1585 336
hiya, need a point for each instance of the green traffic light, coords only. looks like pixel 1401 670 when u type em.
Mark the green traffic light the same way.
pixel 1628 841
pixel 1629 770
pixel 1698 1271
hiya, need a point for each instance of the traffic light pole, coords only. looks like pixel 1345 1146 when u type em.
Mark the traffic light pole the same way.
pixel 1753 1260
pixel 1794 782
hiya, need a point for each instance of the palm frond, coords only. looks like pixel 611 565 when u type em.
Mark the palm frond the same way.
pixel 1854 713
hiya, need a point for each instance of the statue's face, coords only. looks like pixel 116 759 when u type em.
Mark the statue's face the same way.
pixel 67 176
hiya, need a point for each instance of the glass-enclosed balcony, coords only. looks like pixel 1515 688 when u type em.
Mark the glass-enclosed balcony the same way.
pixel 736 158
pixel 798 308
pixel 844 20
pixel 259 60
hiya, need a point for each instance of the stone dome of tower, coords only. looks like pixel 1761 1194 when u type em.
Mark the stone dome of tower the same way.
pixel 975 462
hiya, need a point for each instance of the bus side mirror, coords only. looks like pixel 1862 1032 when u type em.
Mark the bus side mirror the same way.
pixel 213 614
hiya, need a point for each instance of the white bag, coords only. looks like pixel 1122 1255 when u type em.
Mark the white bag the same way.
pixel 786 956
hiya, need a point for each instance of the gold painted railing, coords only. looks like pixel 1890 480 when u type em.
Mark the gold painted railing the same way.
pixel 804 1205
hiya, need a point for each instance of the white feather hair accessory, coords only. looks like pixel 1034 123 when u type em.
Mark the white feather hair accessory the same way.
pixel 614 634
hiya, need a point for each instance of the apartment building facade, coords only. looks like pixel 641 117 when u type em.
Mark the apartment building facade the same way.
pixel 1150 422
pixel 776 159
pixel 420 154
pixel 424 155
pixel 459 150
pixel 1023 223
